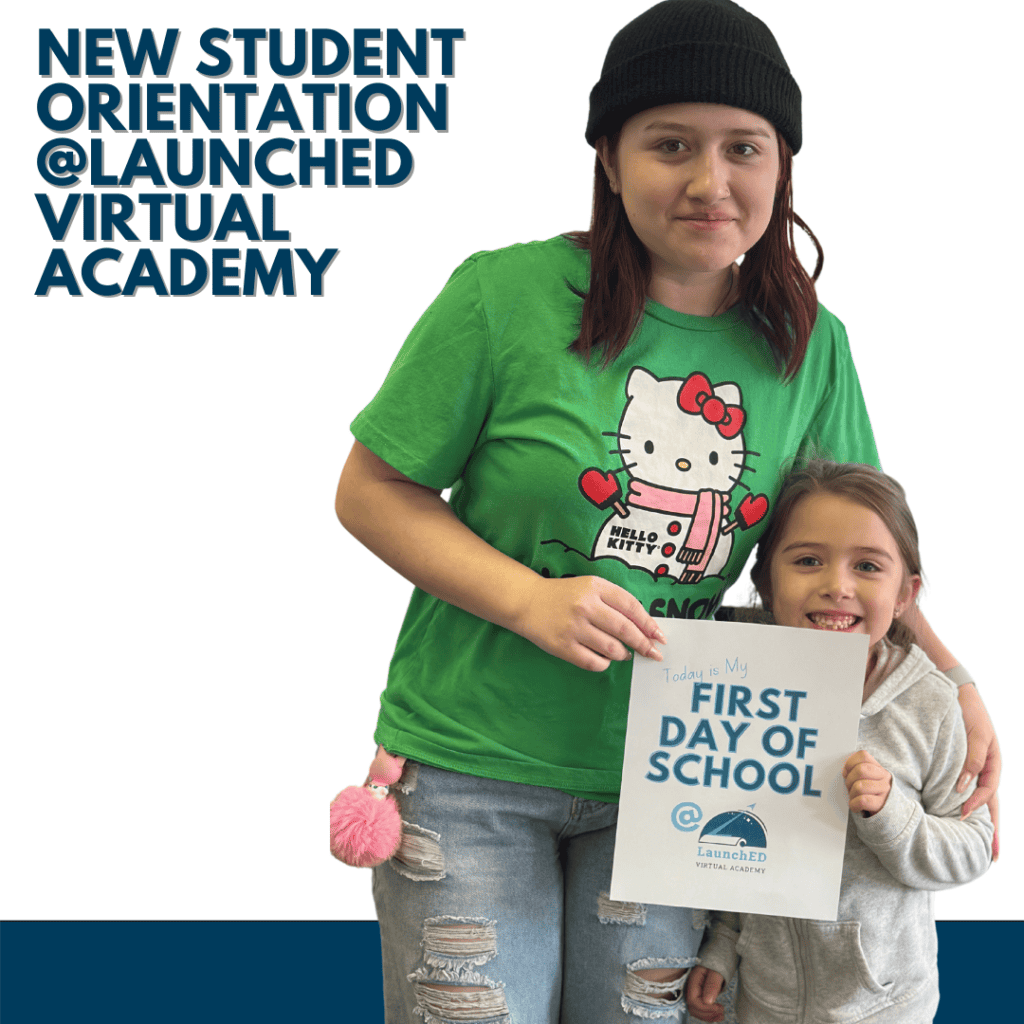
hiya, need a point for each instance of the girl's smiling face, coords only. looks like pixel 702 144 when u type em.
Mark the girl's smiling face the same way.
pixel 837 567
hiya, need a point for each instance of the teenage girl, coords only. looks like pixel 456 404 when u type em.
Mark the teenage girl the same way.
pixel 841 554
pixel 604 406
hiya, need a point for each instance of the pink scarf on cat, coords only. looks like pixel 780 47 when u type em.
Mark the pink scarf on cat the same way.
pixel 704 506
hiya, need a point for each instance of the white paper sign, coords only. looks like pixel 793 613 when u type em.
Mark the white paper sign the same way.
pixel 732 793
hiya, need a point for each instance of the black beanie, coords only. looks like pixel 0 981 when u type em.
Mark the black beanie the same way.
pixel 695 51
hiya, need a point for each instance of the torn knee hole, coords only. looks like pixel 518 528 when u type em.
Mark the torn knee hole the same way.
pixel 449 988
pixel 670 980
pixel 459 943
pixel 419 855
pixel 654 982
pixel 459 1002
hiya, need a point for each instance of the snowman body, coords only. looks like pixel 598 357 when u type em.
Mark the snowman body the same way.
pixel 681 445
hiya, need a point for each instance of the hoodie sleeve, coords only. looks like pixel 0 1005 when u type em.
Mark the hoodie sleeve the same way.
pixel 718 951
pixel 924 844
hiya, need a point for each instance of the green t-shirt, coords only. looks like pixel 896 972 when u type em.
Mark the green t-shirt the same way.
pixel 656 473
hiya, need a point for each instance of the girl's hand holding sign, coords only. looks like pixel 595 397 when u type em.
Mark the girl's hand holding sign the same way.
pixel 867 782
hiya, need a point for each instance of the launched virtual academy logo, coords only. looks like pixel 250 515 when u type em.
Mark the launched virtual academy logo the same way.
pixel 732 835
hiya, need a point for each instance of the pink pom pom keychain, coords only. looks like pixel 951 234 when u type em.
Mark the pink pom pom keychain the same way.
pixel 366 826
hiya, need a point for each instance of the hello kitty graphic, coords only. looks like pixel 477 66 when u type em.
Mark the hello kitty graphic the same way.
pixel 681 445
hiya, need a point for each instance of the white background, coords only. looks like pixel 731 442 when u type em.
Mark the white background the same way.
pixel 193 648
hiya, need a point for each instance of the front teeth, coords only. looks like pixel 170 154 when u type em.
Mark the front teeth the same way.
pixel 833 621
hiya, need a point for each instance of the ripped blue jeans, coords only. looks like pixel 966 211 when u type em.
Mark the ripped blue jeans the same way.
pixel 495 910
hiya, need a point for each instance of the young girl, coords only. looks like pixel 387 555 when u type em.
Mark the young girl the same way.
pixel 841 554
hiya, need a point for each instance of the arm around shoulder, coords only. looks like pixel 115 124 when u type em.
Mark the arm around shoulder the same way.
pixel 983 758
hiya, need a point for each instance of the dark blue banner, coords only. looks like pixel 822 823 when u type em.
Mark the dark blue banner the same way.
pixel 156 971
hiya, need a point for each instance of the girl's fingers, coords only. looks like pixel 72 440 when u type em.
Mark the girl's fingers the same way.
pixel 703 987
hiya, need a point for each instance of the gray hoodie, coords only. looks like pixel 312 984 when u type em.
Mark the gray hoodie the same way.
pixel 878 961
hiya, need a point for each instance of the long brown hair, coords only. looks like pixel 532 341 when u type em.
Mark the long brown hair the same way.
pixel 861 484
pixel 776 292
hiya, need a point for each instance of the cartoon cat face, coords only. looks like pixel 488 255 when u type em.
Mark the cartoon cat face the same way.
pixel 664 444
